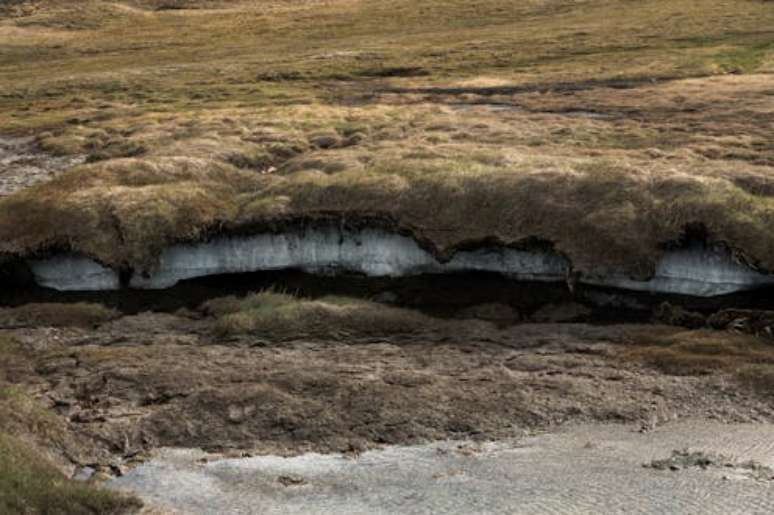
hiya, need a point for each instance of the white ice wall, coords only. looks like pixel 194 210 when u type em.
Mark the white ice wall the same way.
pixel 693 271
pixel 74 273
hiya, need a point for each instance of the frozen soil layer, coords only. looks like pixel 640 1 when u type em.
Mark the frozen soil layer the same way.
pixel 22 165
pixel 584 469
pixel 696 270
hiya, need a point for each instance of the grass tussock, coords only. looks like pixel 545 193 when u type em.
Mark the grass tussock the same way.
pixel 703 352
pixel 279 316
pixel 81 314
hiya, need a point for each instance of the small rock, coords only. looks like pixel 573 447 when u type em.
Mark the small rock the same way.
pixel 324 140
pixel 118 470
pixel 101 476
pixel 236 414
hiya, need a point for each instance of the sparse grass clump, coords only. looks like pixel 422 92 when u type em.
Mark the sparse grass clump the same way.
pixel 81 314
pixel 279 316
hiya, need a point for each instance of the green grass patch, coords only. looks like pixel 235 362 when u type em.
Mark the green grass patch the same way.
pixel 29 483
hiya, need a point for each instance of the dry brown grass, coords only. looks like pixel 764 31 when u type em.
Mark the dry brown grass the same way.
pixel 758 377
pixel 79 314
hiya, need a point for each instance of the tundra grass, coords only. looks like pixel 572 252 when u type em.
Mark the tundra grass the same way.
pixel 605 127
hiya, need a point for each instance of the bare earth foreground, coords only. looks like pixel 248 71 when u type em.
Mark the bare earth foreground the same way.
pixel 586 469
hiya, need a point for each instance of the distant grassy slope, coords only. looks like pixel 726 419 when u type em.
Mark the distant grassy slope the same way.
pixel 69 56
pixel 604 126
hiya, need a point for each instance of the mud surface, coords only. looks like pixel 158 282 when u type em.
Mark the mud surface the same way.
pixel 585 469
pixel 22 164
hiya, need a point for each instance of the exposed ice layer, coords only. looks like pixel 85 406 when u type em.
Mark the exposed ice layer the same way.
pixel 696 271
pixel 371 252
pixel 74 273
